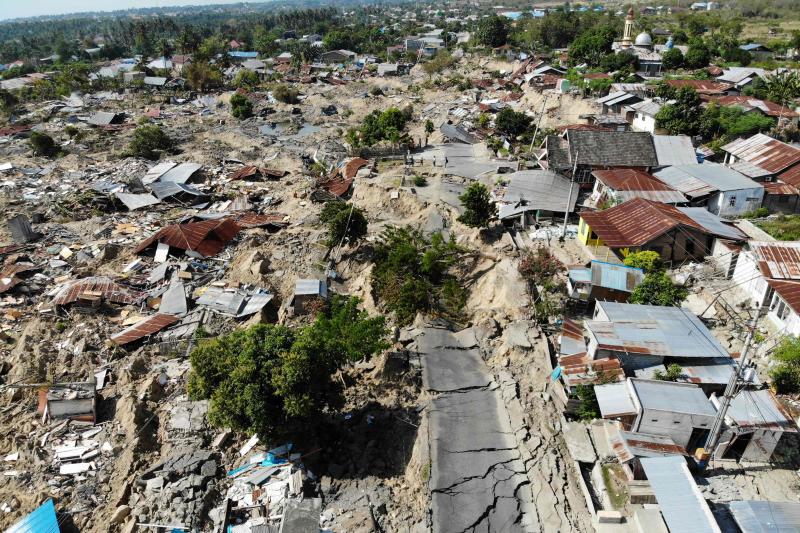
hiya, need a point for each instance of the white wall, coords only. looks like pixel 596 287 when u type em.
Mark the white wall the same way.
pixel 642 122
pixel 748 279
pixel 745 201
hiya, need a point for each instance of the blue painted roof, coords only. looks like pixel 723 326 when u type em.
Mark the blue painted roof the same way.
pixel 244 55
pixel 751 46
pixel 612 276
pixel 41 520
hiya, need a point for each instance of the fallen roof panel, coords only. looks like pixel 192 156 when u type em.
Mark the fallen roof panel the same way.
pixel 144 328
pixel 137 201
pixel 109 289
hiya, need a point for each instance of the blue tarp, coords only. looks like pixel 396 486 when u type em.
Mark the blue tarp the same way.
pixel 41 520
pixel 244 55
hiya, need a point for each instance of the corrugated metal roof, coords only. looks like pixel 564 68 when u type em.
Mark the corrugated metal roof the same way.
pixel 157 171
pixel 167 189
pixel 777 260
pixel 713 224
pixel 766 517
pixel 674 150
pixel 180 174
pixel 715 177
pixel 702 86
pixel 789 291
pixel 236 302
pixel 143 328
pixel 648 107
pixel 615 400
pixel 648 337
pixel 680 328
pixel 748 103
pixel 106 287
pixel 765 152
pixel 207 238
pixel 616 277
pixel 628 179
pixel 41 520
pixel 636 222
pixel 541 190
pixel 137 201
pixel 778 188
pixel 457 133
pixel 612 148
pixel 672 397
pixel 314 287
pixel 759 408
pixel 629 444
pixel 680 501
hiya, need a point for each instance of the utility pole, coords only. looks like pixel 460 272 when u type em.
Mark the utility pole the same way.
pixel 730 391
pixel 536 131
pixel 569 198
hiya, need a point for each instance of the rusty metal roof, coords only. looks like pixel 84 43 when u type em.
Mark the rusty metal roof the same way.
pixel 336 185
pixel 108 289
pixel 777 260
pixel 791 175
pixel 143 328
pixel 353 166
pixel 207 238
pixel 628 179
pixel 256 220
pixel 764 152
pixel 701 86
pixel 244 172
pixel 778 188
pixel 636 222
pixel 789 291
pixel 629 444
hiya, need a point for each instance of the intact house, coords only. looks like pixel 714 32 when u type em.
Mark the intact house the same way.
pixel 578 153
pixel 338 56
pixel 784 115
pixel 603 281
pixel 680 411
pixel 616 102
pixel 705 87
pixel 767 273
pixel 768 160
pixel 676 234
pixel 674 150
pixel 741 77
pixel 758 50
pixel 720 189
pixel 642 115
pixel 616 186
pixel 536 195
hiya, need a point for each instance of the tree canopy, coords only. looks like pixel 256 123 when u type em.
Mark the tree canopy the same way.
pixel 478 207
pixel 491 31
pixel 343 221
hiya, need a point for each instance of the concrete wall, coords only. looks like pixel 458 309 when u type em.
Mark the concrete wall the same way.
pixel 745 201
pixel 642 122
pixel 781 203
pixel 677 426
pixel 748 279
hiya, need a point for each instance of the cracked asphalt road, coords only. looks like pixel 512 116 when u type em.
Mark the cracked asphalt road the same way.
pixel 478 476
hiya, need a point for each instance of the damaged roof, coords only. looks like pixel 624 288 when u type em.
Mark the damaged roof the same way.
pixel 105 287
pixel 541 190
pixel 143 328
pixel 763 152
pixel 629 444
pixel 207 238
pixel 776 259
pixel 628 183
pixel 697 180
pixel 759 409
pixel 181 173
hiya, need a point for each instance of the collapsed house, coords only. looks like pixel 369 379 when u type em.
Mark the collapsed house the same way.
pixel 199 239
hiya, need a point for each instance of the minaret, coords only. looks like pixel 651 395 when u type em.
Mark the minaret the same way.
pixel 627 36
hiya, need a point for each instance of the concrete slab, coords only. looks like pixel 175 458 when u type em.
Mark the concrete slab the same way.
pixel 578 442
pixel 447 365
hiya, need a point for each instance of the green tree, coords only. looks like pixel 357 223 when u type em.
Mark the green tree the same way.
pixel 647 260
pixel 588 408
pixel 286 94
pixel 344 221
pixel 491 31
pixel 43 144
pixel 411 273
pixel 674 372
pixel 428 127
pixel 511 122
pixel 681 117
pixel 268 379
pixel 478 207
pixel 210 48
pixel 246 79
pixel 672 59
pixel 202 76
pixel 698 55
pixel 658 289
pixel 592 45
pixel 785 375
pixel 241 106
pixel 148 142
pixel 382 126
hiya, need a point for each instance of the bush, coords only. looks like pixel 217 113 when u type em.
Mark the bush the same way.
pixel 674 372
pixel 539 267
pixel 246 79
pixel 786 375
pixel 201 76
pixel 241 106
pixel 148 142
pixel 657 288
pixel 478 207
pixel 419 181
pixel 380 126
pixel 413 274
pixel 343 221
pixel 647 260
pixel 267 378
pixel 511 122
pixel 588 409
pixel 43 145
pixel 284 93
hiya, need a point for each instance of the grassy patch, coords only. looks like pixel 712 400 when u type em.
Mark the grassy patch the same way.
pixel 783 228
pixel 614 480
pixel 425 473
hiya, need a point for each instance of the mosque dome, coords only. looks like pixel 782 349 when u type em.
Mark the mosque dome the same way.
pixel 643 39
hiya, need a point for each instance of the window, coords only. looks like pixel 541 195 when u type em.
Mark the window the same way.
pixel 690 246
pixel 732 201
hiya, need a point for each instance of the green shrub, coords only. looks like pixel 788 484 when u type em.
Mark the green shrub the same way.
pixel 647 260
pixel 786 375
pixel 588 409
pixel 478 207
pixel 43 145
pixel 284 93
pixel 246 79
pixel 343 220
pixel 241 106
pixel 657 288
pixel 148 142
pixel 419 181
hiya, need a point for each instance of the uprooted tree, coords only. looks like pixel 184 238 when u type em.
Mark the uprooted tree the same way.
pixel 268 379
pixel 415 274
